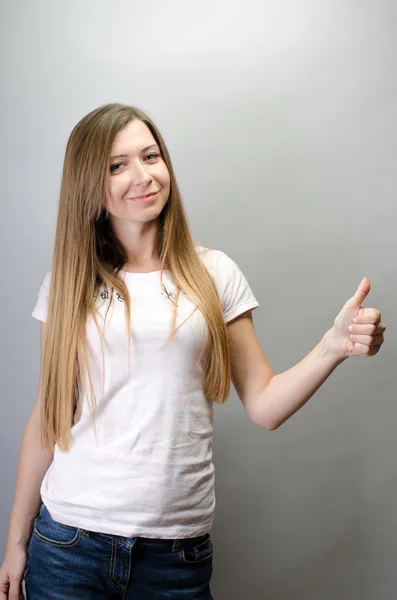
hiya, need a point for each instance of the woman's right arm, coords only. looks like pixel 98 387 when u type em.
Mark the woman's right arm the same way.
pixel 33 464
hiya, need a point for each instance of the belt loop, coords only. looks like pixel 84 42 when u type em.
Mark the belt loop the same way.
pixel 176 546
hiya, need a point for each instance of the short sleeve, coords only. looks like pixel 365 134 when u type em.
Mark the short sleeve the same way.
pixel 40 309
pixel 234 291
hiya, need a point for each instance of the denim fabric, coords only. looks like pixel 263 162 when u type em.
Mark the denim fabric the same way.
pixel 68 563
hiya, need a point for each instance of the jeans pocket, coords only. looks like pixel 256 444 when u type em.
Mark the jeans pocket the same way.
pixel 57 534
pixel 197 552
pixel 27 564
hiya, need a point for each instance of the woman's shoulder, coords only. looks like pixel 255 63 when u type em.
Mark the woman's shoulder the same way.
pixel 217 261
pixel 210 256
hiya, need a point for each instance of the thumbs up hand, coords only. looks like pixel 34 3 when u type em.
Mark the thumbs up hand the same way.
pixel 357 331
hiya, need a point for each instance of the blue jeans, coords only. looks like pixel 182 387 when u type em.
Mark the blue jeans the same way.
pixel 68 563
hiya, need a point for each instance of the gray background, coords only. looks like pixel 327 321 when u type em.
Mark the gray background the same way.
pixel 281 121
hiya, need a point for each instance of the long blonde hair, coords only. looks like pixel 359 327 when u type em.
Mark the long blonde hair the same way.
pixel 87 254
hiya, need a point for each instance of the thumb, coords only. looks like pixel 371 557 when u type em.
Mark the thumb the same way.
pixel 361 293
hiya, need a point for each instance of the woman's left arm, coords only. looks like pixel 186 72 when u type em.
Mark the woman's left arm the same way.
pixel 271 399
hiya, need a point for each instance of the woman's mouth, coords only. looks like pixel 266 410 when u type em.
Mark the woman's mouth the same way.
pixel 144 197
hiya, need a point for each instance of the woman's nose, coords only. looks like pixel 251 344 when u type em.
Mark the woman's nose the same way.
pixel 139 174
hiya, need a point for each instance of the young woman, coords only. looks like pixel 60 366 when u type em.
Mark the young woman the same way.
pixel 141 331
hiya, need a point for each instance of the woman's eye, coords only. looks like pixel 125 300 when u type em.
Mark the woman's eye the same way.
pixel 152 156
pixel 113 167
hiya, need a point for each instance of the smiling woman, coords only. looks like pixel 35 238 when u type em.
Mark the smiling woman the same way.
pixel 144 330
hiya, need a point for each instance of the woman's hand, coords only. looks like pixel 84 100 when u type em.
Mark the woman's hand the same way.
pixel 11 572
pixel 357 331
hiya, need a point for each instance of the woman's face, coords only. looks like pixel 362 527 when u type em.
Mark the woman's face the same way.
pixel 139 182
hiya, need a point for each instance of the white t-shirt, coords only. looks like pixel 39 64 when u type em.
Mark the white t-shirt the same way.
pixel 150 473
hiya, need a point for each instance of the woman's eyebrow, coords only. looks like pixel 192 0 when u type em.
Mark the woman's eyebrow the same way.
pixel 126 155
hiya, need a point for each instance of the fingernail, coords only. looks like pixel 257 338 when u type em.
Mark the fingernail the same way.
pixel 350 328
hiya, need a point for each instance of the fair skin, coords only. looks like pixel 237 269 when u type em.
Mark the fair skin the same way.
pixel 136 169
pixel 268 399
